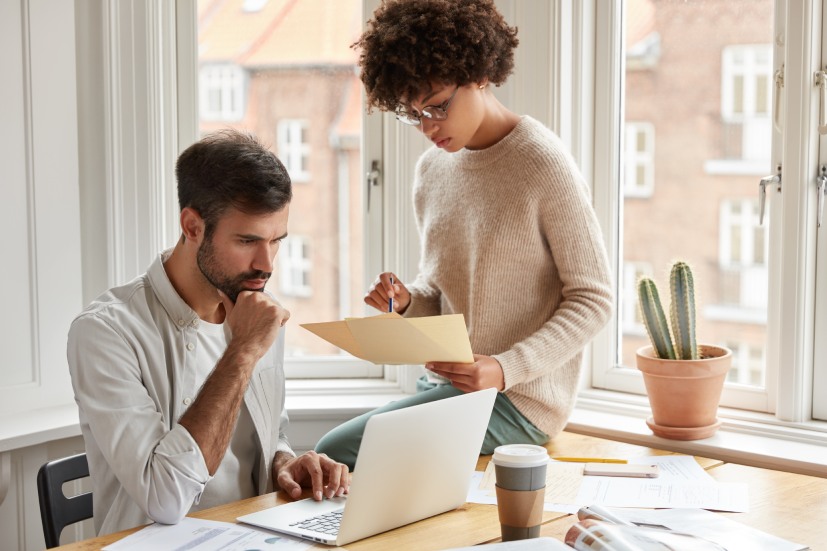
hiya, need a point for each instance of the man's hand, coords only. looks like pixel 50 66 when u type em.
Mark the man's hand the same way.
pixel 485 372
pixel 311 470
pixel 254 320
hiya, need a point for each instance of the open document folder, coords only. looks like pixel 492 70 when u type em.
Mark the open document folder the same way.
pixel 392 339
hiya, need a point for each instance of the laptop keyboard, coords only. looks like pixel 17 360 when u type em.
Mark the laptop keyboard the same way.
pixel 327 523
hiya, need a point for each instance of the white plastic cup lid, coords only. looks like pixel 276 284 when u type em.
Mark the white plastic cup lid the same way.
pixel 520 455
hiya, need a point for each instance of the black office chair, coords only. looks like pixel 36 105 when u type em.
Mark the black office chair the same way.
pixel 56 510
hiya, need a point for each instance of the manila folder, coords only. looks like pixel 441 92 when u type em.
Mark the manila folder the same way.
pixel 392 339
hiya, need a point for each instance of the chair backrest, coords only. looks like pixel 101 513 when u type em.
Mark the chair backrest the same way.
pixel 56 510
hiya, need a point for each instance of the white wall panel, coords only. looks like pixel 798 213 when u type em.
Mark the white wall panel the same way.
pixel 39 215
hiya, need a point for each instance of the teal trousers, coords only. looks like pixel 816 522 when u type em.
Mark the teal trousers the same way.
pixel 507 424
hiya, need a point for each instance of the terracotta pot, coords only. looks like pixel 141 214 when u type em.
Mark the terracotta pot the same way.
pixel 684 394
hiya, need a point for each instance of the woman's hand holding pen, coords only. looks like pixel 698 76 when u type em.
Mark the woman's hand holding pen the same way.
pixel 485 372
pixel 388 286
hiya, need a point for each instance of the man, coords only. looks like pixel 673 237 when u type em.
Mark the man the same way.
pixel 178 374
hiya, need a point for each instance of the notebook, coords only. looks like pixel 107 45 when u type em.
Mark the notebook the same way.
pixel 413 463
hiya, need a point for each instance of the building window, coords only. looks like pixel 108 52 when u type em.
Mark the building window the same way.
pixel 632 272
pixel 746 94
pixel 743 255
pixel 639 160
pixel 747 364
pixel 222 92
pixel 294 149
pixel 295 266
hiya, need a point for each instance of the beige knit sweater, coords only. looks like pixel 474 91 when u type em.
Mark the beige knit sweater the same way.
pixel 510 240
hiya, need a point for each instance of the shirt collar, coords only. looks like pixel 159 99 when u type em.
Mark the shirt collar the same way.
pixel 178 310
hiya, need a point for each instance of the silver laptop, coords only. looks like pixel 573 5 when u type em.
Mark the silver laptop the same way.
pixel 413 463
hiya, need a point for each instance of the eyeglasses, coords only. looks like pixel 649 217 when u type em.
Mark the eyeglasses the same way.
pixel 433 112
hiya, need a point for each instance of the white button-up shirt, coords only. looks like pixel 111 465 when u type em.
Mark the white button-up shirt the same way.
pixel 130 354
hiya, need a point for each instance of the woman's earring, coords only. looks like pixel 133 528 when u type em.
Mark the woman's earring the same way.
pixel 482 86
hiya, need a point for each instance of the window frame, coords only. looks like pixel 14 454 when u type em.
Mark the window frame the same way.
pixel 319 368
pixel 645 159
pixel 790 335
pixel 293 150
pixel 290 264
pixel 230 81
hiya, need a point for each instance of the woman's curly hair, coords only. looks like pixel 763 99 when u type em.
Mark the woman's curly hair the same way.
pixel 410 44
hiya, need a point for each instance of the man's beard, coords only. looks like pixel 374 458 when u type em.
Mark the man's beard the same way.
pixel 229 285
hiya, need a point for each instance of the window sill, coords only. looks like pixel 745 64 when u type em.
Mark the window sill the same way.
pixel 309 399
pixel 38 427
pixel 747 438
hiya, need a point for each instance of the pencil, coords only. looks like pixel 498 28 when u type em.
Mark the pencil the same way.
pixel 390 299
pixel 589 459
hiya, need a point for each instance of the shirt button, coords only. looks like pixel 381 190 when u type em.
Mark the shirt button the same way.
pixel 187 401
pixel 190 346
pixel 194 323
pixel 181 322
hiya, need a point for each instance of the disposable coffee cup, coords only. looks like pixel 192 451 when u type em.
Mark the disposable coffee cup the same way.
pixel 520 471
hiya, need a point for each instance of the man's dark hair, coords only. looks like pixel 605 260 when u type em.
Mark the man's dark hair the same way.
pixel 227 169
pixel 410 44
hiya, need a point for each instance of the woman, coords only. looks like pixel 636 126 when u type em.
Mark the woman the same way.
pixel 509 236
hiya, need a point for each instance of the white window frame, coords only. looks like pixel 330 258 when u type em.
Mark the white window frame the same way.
pixel 632 324
pixel 750 71
pixel 294 152
pixel 755 123
pixel 634 159
pixel 229 81
pixel 326 372
pixel 753 295
pixel 790 310
pixel 295 266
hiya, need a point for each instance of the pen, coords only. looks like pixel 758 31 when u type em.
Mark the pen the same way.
pixel 589 460
pixel 390 299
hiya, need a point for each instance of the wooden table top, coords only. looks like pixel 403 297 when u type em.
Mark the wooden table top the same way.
pixel 791 506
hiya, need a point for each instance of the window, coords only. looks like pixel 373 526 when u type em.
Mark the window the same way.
pixel 293 148
pixel 743 255
pixel 747 364
pixel 632 272
pixel 301 93
pixel 221 89
pixel 746 92
pixel 295 266
pixel 710 94
pixel 639 159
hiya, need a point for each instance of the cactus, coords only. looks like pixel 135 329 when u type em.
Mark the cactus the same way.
pixel 682 311
pixel 682 314
pixel 654 319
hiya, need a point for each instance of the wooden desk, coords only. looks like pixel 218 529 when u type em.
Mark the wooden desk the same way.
pixel 791 506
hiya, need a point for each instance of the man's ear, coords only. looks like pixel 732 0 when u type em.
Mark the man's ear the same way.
pixel 192 225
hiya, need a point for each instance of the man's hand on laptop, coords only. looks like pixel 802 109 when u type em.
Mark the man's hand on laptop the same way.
pixel 485 372
pixel 311 470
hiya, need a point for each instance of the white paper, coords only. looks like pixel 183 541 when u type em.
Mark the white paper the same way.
pixel 192 534
pixel 675 467
pixel 682 483
pixel 651 492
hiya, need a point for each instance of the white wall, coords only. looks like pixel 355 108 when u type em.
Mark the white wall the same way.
pixel 40 247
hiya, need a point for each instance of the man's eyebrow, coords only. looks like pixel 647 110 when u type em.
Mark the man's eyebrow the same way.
pixel 254 237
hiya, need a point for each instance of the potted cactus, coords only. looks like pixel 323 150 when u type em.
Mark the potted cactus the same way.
pixel 683 380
